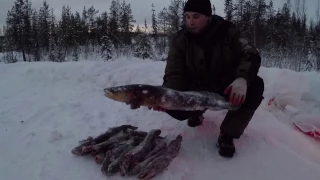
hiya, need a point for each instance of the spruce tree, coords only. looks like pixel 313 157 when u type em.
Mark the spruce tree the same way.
pixel 228 10
pixel 114 27
pixel 53 36
pixel 142 46
pixel 163 28
pixel 44 23
pixel 35 49
pixel 126 23
pixel 106 48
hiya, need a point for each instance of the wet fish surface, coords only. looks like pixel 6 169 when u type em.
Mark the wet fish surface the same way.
pixel 138 153
pixel 90 141
pixel 156 96
pixel 161 162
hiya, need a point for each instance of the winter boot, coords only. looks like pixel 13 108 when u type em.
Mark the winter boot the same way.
pixel 195 120
pixel 226 145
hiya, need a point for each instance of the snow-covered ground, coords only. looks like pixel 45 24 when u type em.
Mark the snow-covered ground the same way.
pixel 46 108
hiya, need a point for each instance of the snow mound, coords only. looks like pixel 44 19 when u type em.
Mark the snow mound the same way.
pixel 46 108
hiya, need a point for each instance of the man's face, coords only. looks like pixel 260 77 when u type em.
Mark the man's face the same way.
pixel 195 21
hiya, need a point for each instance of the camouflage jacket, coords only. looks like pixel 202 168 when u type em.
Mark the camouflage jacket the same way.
pixel 212 60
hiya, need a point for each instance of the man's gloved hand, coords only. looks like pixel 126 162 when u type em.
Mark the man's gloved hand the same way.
pixel 237 91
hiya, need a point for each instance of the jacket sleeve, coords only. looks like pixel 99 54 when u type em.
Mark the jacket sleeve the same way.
pixel 249 59
pixel 174 75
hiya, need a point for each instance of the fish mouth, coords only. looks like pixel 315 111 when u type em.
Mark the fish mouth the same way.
pixel 108 93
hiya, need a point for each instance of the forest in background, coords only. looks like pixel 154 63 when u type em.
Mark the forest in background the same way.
pixel 285 36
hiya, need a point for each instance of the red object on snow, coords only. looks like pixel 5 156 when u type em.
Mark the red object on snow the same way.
pixel 308 124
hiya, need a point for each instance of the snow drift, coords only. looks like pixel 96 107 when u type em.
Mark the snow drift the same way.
pixel 46 108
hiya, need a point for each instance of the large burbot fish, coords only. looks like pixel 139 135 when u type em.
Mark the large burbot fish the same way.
pixel 156 96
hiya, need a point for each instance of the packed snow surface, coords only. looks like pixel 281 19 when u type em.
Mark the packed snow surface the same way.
pixel 46 108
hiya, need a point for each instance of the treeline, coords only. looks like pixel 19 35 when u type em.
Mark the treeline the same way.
pixel 38 35
pixel 283 35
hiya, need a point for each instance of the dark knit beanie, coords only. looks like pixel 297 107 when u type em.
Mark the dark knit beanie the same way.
pixel 199 6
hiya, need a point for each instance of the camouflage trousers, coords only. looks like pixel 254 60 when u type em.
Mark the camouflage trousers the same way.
pixel 235 122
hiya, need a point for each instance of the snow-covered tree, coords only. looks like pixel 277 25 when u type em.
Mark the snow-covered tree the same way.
pixel 142 46
pixel 35 29
pixel 52 38
pixel 106 48
pixel 44 23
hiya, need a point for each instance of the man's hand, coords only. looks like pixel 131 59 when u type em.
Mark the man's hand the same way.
pixel 237 91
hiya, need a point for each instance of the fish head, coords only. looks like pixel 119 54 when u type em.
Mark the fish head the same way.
pixel 132 93
pixel 119 93
pixel 123 93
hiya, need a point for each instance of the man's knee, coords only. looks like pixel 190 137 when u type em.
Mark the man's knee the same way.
pixel 183 115
pixel 255 93
pixel 257 86
pixel 179 115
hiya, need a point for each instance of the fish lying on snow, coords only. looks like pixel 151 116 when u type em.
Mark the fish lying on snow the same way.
pixel 162 161
pixel 156 96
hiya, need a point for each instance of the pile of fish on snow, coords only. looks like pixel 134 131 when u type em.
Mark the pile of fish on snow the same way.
pixel 131 152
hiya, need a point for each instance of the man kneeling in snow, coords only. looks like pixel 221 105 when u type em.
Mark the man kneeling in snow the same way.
pixel 209 54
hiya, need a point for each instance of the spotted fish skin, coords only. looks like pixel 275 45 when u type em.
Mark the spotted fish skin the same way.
pixel 114 155
pixel 137 154
pixel 159 146
pixel 114 166
pixel 139 166
pixel 160 163
pixel 155 167
pixel 174 146
pixel 156 96
pixel 111 132
pixel 106 145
